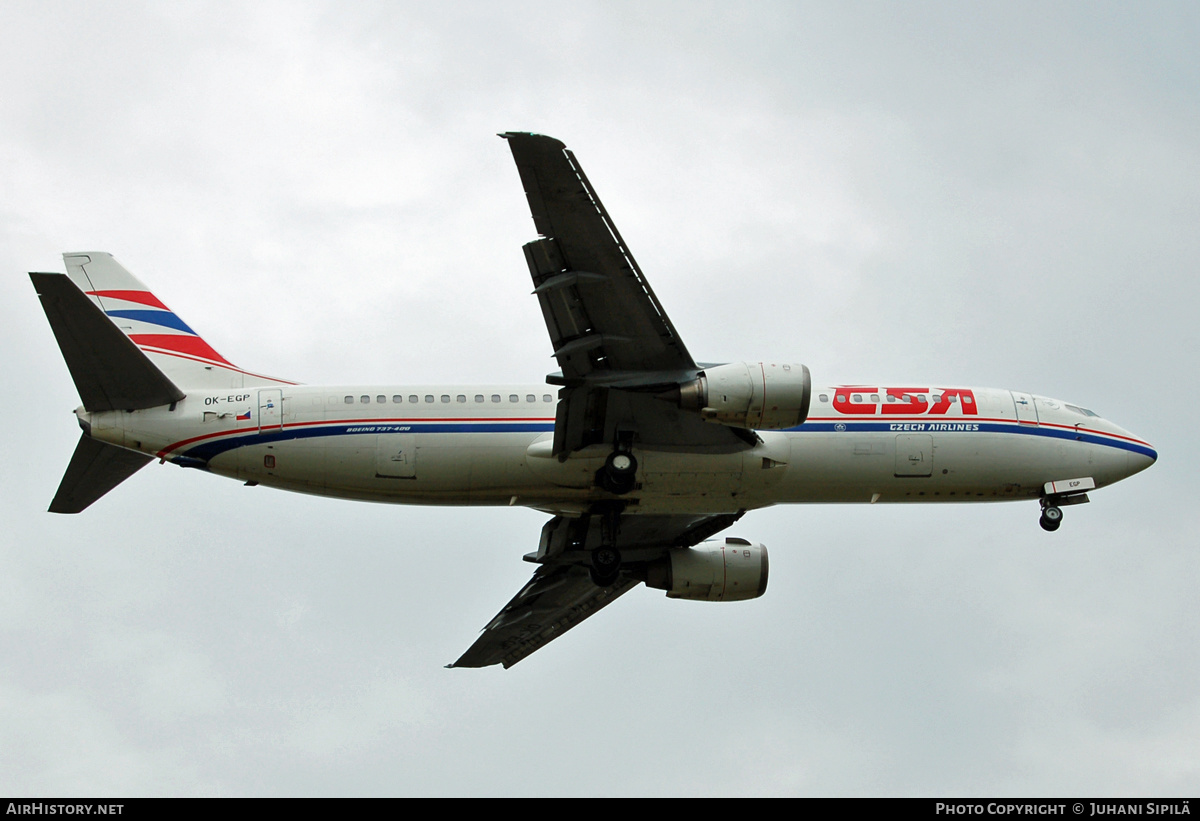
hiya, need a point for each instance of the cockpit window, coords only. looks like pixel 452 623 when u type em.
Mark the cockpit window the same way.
pixel 1082 411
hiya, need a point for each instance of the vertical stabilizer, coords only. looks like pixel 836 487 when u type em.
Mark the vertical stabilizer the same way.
pixel 169 342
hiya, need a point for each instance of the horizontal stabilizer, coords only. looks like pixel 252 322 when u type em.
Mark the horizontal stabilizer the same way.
pixel 96 468
pixel 109 370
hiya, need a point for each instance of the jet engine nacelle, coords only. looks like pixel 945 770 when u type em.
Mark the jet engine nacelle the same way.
pixel 717 570
pixel 754 395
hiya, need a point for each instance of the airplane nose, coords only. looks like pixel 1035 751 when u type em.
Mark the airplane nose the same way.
pixel 1138 461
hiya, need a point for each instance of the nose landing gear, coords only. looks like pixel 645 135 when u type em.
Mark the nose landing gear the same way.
pixel 1057 495
pixel 1051 518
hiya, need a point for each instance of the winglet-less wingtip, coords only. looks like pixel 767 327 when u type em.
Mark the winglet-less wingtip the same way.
pixel 529 135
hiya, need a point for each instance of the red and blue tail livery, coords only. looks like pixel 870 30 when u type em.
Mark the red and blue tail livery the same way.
pixel 171 344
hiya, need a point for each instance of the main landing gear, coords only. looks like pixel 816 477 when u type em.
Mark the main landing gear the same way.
pixel 618 476
pixel 606 565
pixel 619 471
pixel 605 568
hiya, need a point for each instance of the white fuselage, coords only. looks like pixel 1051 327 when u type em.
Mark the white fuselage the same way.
pixel 491 445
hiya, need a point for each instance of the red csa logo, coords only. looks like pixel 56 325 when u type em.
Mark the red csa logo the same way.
pixel 903 401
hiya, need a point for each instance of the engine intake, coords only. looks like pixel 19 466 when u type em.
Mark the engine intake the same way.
pixel 754 395
pixel 717 570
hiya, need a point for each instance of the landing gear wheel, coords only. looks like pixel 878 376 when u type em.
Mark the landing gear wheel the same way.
pixel 617 475
pixel 1051 518
pixel 621 464
pixel 606 566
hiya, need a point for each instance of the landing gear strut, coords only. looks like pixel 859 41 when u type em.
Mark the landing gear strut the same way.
pixel 606 559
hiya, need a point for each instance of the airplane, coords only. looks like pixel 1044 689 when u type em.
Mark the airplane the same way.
pixel 641 455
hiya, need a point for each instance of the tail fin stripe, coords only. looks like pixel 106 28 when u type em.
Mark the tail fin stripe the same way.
pixel 140 297
pixel 163 318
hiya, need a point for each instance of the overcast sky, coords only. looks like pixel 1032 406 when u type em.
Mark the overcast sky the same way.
pixel 1002 194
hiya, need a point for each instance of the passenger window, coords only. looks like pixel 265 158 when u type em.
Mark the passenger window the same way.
pixel 381 399
pixel 398 399
pixel 445 397
pixel 547 398
pixel 530 398
pixel 874 397
pixel 429 397
pixel 512 397
pixel 412 397
pixel 366 400
pixel 479 397
pixel 824 397
pixel 460 398
pixel 857 397
pixel 937 397
pixel 495 397
pixel 967 400
pixel 349 400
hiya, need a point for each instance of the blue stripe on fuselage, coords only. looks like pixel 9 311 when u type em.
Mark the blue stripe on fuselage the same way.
pixel 207 450
pixel 959 425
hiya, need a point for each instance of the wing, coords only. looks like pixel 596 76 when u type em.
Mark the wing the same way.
pixel 561 593
pixel 555 600
pixel 614 342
